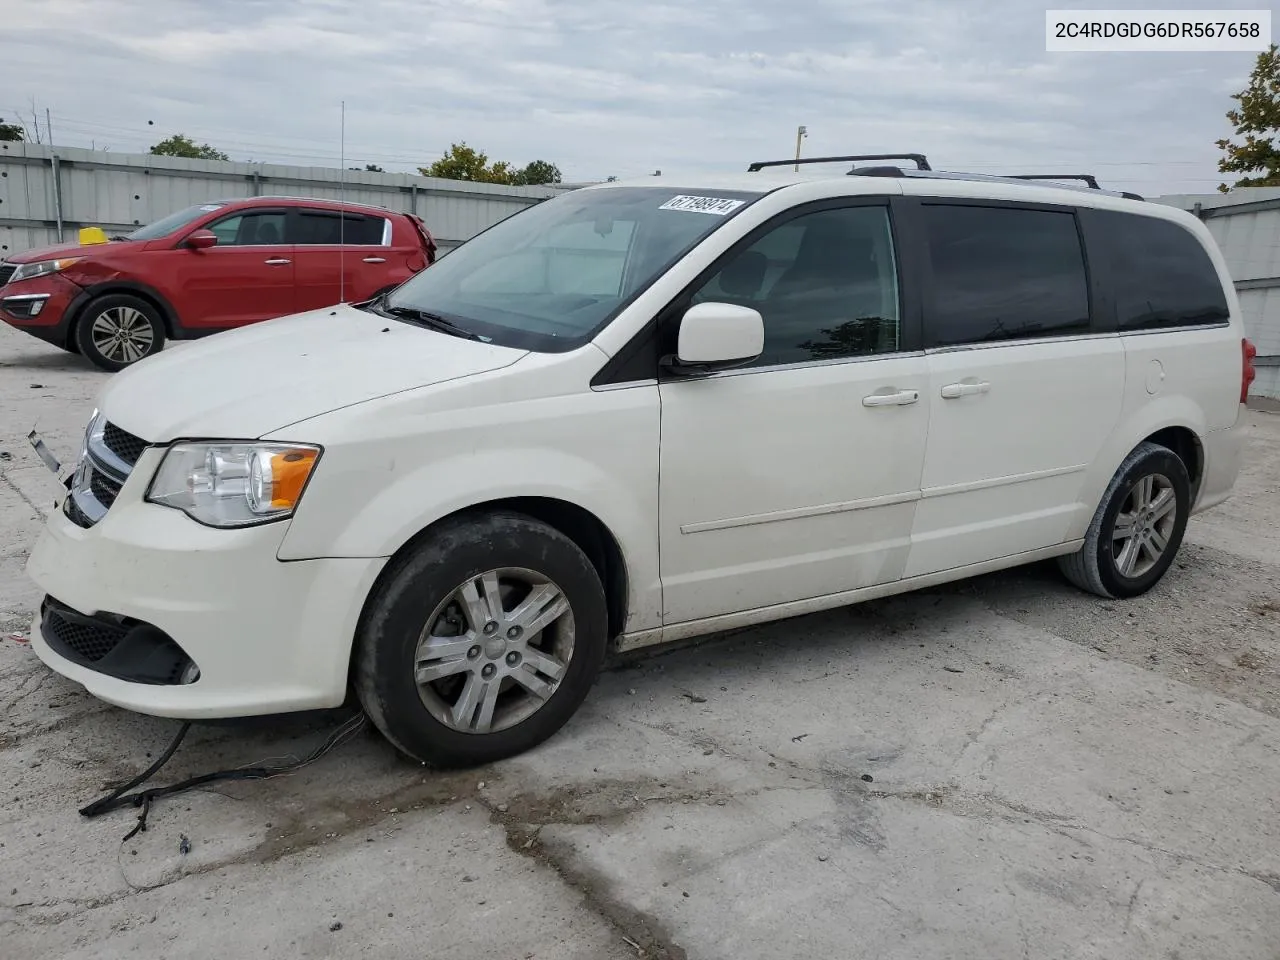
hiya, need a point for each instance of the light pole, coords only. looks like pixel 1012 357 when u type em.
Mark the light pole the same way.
pixel 801 133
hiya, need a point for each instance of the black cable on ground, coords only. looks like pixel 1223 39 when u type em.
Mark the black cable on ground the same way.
pixel 120 797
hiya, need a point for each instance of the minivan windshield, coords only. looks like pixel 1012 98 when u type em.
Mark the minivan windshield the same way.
pixel 174 221
pixel 551 276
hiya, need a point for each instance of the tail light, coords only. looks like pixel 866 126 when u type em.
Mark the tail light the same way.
pixel 1247 373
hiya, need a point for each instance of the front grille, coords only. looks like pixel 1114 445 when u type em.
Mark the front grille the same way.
pixel 110 456
pixel 6 271
pixel 124 445
pixel 88 642
pixel 104 489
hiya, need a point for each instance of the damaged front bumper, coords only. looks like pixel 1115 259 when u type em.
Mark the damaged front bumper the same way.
pixel 153 612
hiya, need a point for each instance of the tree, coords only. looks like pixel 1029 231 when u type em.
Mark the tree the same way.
pixel 1257 119
pixel 462 162
pixel 373 168
pixel 536 173
pixel 11 131
pixel 180 145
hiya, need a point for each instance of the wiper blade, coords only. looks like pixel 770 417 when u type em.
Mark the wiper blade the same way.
pixel 432 321
pixel 118 236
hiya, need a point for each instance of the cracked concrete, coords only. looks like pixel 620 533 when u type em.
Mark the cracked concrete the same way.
pixel 1002 768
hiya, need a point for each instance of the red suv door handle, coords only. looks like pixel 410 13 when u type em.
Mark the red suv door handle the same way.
pixel 375 259
pixel 277 261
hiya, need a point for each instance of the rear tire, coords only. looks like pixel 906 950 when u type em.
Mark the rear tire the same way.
pixel 482 641
pixel 117 330
pixel 1137 529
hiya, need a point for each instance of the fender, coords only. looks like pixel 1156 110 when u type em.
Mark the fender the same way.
pixel 103 287
pixel 386 476
pixel 1158 413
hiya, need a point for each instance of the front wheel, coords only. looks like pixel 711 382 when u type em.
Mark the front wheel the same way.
pixel 118 330
pixel 1138 527
pixel 482 642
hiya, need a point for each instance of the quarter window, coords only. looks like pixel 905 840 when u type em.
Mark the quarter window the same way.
pixel 825 283
pixel 1162 275
pixel 1003 273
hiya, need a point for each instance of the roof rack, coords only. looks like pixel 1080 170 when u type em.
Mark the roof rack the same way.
pixel 1092 183
pixel 1088 178
pixel 921 162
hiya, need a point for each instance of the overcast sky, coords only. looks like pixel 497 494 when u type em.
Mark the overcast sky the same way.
pixel 616 87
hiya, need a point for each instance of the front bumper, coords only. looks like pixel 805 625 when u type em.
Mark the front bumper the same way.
pixel 58 298
pixel 266 636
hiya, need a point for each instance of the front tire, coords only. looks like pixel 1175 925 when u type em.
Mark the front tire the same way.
pixel 118 330
pixel 481 642
pixel 1138 527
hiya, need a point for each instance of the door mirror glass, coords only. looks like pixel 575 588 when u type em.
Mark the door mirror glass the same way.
pixel 719 334
pixel 202 240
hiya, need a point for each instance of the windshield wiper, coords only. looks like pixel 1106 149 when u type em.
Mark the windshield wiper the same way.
pixel 432 321
pixel 118 236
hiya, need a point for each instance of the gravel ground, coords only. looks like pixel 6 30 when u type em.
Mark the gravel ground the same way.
pixel 998 768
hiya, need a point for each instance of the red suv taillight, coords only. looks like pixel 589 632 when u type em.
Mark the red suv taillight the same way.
pixel 1247 373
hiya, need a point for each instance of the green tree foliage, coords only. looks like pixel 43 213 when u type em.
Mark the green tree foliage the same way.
pixel 462 162
pixel 538 172
pixel 1257 119
pixel 11 131
pixel 183 146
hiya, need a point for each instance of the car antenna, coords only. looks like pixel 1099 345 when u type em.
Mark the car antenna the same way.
pixel 342 206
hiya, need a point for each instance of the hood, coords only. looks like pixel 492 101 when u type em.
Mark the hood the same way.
pixel 248 382
pixel 65 250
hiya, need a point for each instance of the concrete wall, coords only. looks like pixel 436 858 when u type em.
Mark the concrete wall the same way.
pixel 1246 225
pixel 40 185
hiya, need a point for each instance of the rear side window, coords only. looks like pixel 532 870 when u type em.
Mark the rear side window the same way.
pixel 1162 275
pixel 324 227
pixel 1003 273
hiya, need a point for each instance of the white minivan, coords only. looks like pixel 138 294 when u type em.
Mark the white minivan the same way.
pixel 637 412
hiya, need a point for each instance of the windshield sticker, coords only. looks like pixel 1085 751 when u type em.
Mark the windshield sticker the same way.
pixel 210 207
pixel 713 205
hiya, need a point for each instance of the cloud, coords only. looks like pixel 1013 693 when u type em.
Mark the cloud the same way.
pixel 614 88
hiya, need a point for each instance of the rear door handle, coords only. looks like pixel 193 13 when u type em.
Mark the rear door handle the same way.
pixel 899 399
pixel 953 390
pixel 375 259
pixel 277 261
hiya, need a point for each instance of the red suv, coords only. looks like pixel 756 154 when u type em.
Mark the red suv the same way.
pixel 208 268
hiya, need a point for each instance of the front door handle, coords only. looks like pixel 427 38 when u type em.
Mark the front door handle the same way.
pixel 953 390
pixel 375 259
pixel 277 261
pixel 899 399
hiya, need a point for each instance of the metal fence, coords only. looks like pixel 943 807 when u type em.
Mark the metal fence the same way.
pixel 48 193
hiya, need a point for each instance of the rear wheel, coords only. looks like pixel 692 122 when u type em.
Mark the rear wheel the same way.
pixel 482 642
pixel 118 330
pixel 1138 527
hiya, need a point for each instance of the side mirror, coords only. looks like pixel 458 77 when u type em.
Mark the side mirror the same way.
pixel 202 240
pixel 717 335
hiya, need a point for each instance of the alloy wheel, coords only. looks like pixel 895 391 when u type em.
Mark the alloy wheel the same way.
pixel 1144 526
pixel 494 651
pixel 122 334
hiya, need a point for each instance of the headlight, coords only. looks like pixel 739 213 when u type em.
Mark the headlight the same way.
pixel 233 484
pixel 28 271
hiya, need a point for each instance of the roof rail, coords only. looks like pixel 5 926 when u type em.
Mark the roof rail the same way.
pixel 921 162
pixel 1088 178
